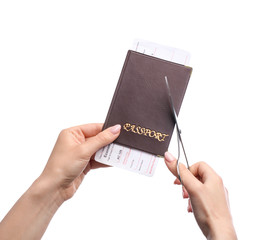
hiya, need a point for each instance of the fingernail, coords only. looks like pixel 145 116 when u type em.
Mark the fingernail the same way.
pixel 169 157
pixel 115 129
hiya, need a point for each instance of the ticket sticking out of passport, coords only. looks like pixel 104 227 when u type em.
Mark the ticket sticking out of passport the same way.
pixel 140 104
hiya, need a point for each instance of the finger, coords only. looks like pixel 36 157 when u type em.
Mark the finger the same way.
pixel 171 163
pixel 90 129
pixel 184 193
pixel 177 181
pixel 203 171
pixel 188 179
pixel 87 169
pixel 189 207
pixel 95 165
pixel 102 139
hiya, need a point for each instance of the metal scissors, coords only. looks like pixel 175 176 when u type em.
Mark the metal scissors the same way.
pixel 178 130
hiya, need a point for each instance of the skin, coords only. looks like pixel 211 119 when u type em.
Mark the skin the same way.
pixel 208 198
pixel 73 157
pixel 69 162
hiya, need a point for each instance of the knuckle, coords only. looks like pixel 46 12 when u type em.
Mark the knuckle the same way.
pixel 62 133
pixel 219 179
pixel 203 164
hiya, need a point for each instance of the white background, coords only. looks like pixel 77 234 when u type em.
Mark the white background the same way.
pixel 59 65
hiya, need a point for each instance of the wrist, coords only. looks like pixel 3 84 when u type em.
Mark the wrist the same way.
pixel 35 208
pixel 45 190
pixel 222 229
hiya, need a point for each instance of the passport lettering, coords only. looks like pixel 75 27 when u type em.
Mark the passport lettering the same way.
pixel 145 131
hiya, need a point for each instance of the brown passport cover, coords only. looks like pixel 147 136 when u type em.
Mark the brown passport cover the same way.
pixel 141 103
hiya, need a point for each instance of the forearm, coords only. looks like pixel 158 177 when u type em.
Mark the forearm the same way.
pixel 31 214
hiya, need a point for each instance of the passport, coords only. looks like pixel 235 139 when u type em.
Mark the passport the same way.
pixel 141 105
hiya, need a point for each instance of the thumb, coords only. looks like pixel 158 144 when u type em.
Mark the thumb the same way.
pixel 189 181
pixel 93 144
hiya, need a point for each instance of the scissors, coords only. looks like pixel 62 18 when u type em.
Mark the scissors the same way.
pixel 178 130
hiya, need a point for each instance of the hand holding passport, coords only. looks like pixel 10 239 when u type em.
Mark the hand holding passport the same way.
pixel 140 104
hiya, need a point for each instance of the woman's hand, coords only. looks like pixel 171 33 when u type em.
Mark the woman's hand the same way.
pixel 73 155
pixel 208 198
pixel 70 160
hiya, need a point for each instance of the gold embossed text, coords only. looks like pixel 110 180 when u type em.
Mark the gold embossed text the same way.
pixel 145 131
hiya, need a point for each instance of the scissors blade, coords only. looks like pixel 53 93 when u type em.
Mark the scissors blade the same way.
pixel 172 104
pixel 177 125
